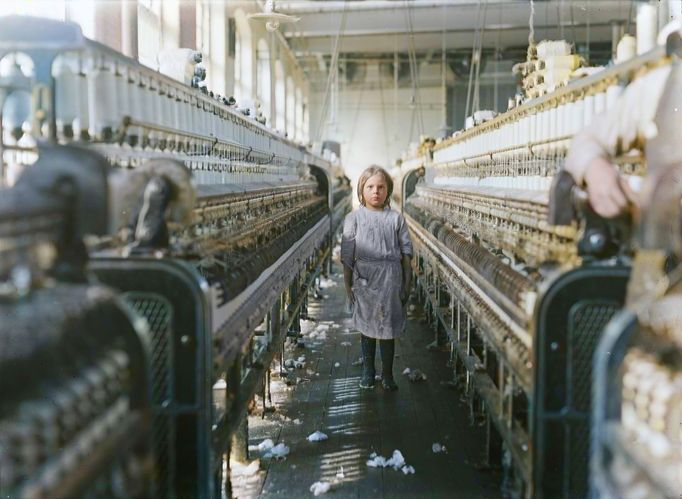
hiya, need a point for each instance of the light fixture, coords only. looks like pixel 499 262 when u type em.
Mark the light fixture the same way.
pixel 271 18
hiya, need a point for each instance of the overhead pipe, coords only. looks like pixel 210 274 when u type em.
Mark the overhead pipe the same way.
pixel 305 7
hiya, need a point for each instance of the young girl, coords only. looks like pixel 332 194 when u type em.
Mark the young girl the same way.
pixel 376 252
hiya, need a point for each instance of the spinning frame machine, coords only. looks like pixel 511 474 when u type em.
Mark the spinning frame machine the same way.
pixel 520 278
pixel 203 285
pixel 521 301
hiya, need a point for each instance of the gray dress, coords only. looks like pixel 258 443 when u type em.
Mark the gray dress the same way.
pixel 372 245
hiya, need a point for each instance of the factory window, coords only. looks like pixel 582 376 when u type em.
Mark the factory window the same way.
pixel 305 126
pixel 170 25
pixel 299 114
pixel 149 31
pixel 204 28
pixel 238 65
pixel 216 50
pixel 280 97
pixel 243 58
pixel 291 108
pixel 263 90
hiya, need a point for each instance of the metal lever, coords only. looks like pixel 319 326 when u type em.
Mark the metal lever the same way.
pixel 562 210
pixel 600 238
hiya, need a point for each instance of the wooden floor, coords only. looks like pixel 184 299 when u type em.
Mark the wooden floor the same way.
pixel 358 422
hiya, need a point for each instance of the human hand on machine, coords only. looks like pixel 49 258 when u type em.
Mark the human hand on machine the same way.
pixel 608 193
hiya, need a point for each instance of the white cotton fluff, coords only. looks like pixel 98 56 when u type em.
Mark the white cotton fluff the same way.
pixel 298 421
pixel 407 371
pixel 301 358
pixel 345 343
pixel 323 328
pixel 318 436
pixel 265 445
pixel 549 48
pixel 358 362
pixel 340 474
pixel 327 283
pixel 377 462
pixel 436 448
pixel 337 364
pixel 397 461
pixel 416 375
pixel 279 451
pixel 408 470
pixel 319 488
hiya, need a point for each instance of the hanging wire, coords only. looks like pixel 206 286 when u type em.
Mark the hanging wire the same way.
pixel 573 22
pixel 443 62
pixel 627 26
pixel 357 114
pixel 587 35
pixel 333 71
pixel 531 24
pixel 413 67
pixel 476 56
pixel 472 62
pixel 412 116
pixel 546 26
pixel 395 78
pixel 497 65
pixel 477 94
pixel 383 118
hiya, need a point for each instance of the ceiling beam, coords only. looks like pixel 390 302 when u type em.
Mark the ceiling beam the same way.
pixel 303 7
pixel 456 40
pixel 294 35
pixel 453 15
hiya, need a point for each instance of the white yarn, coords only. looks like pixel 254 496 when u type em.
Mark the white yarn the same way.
pixel 550 48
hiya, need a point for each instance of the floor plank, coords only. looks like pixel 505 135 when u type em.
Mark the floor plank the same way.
pixel 359 422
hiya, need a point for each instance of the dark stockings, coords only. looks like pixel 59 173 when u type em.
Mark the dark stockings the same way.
pixel 387 351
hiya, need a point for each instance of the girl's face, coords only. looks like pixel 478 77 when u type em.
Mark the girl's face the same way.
pixel 375 191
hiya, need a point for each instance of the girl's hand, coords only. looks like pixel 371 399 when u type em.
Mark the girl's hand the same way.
pixel 404 296
pixel 351 297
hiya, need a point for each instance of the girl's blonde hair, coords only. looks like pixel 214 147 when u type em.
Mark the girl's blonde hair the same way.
pixel 370 172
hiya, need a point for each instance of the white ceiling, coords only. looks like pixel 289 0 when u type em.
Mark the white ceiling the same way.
pixel 385 26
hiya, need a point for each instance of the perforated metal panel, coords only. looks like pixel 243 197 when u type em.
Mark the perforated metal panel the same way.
pixel 159 315
pixel 586 322
pixel 571 319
